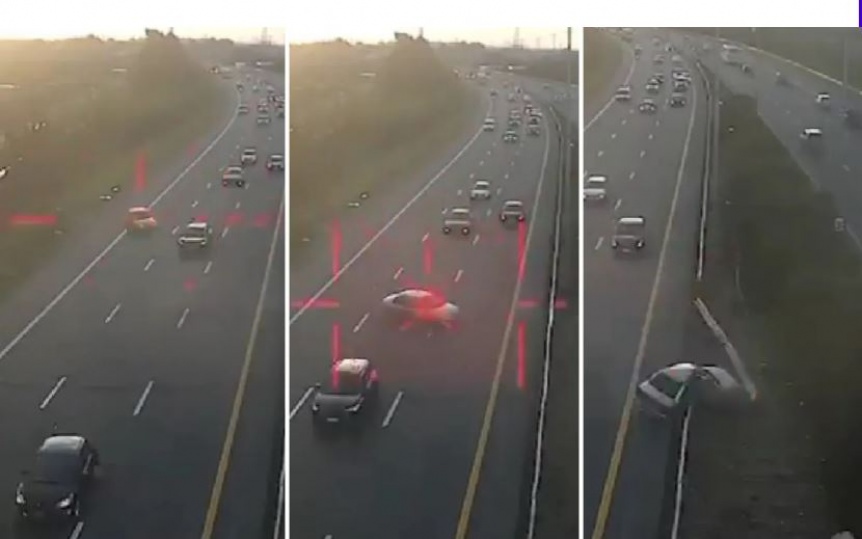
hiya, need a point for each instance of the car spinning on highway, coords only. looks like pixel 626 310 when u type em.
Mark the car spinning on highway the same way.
pixel 512 212
pixel 458 219
pixel 629 234
pixel 420 306
pixel 59 480
pixel 670 389
pixel 353 387
pixel 275 162
pixel 510 136
pixel 647 106
pixel 595 189
pixel 248 157
pixel 481 190
pixel 140 220
pixel 233 176
pixel 196 238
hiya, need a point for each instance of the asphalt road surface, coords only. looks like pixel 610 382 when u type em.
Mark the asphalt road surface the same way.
pixel 143 353
pixel 408 473
pixel 787 110
pixel 635 307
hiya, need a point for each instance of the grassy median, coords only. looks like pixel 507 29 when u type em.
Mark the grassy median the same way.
pixel 363 116
pixel 603 56
pixel 779 467
pixel 76 121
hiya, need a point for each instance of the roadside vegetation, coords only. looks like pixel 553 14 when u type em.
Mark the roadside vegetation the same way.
pixel 603 56
pixel 363 115
pixel 788 466
pixel 76 116
pixel 553 66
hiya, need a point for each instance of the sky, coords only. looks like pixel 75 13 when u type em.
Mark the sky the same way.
pixel 529 37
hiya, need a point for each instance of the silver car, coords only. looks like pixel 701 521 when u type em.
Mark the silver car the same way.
pixel 629 234
pixel 481 190
pixel 420 306
pixel 458 219
pixel 668 390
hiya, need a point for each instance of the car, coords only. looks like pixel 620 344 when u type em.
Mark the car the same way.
pixel 262 119
pixel 242 109
pixel 811 133
pixel 680 86
pixel 248 157
pixel 140 220
pixel 353 387
pixel 515 113
pixel 647 106
pixel 458 219
pixel 514 123
pixel 534 120
pixel 493 93
pixel 510 136
pixel 417 306
pixel 676 100
pixel 534 130
pixel 595 189
pixel 658 77
pixel 670 389
pixel 658 59
pixel 195 238
pixel 280 113
pixel 59 481
pixel 823 100
pixel 676 59
pixel 652 87
pixel 489 125
pixel 275 162
pixel 233 177
pixel 481 190
pixel 262 108
pixel 629 234
pixel 623 93
pixel 512 212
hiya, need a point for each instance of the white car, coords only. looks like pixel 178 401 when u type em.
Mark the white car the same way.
pixel 823 99
pixel 669 389
pixel 421 306
pixel 458 219
pixel 233 176
pixel 489 125
pixel 811 133
pixel 596 189
pixel 481 190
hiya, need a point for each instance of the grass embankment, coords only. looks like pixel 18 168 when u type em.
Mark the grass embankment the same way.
pixel 603 56
pixel 98 107
pixel 558 66
pixel 354 131
pixel 801 282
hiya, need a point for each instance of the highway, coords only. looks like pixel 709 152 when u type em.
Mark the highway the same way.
pixel 787 110
pixel 118 340
pixel 444 455
pixel 635 308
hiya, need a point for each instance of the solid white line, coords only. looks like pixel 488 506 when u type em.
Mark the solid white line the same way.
pixel 611 100
pixel 280 507
pixel 112 313
pixel 398 273
pixel 149 264
pixel 391 412
pixel 224 232
pixel 298 405
pixel 143 399
pixel 76 532
pixel 475 239
pixel 53 392
pixel 349 263
pixel 458 275
pixel 599 243
pixel 732 353
pixel 358 326
pixel 208 267
pixel 680 474
pixel 183 318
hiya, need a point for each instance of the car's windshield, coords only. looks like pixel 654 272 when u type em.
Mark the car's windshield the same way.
pixel 460 214
pixel 665 384
pixel 629 229
pixel 55 468
pixel 195 232
pixel 345 383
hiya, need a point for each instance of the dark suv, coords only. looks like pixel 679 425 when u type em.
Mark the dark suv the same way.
pixel 54 488
pixel 353 387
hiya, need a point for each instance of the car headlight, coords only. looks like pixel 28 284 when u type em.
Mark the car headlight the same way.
pixel 65 502
pixel 19 498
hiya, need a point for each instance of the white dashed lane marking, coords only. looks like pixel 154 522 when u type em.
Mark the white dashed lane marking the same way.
pixel 143 399
pixel 53 393
pixel 112 314
pixel 599 243
pixel 182 319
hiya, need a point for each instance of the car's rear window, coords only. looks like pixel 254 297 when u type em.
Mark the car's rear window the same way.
pixel 346 383
pixel 55 467
pixel 629 229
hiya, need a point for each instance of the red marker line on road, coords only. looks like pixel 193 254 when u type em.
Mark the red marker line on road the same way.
pixel 522 368
pixel 25 219
pixel 321 303
pixel 141 172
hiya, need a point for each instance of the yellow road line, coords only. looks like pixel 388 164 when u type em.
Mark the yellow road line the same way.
pixel 227 447
pixel 479 457
pixel 625 420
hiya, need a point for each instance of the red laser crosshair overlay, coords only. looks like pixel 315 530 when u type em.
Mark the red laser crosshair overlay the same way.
pixel 263 220
pixel 320 303
pixel 190 284
pixel 335 246
pixel 234 218
pixel 32 219
pixel 522 360
pixel 141 172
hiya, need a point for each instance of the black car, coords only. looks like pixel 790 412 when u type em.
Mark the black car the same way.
pixel 353 387
pixel 64 467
